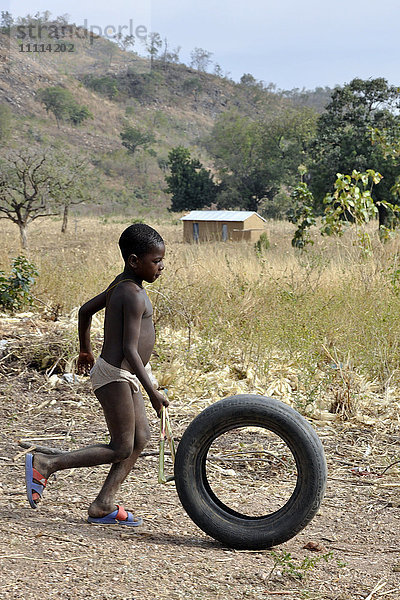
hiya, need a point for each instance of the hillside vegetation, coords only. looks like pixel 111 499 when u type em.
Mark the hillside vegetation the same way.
pixel 177 104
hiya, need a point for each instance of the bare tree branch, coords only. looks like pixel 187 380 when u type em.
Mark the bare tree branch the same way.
pixel 35 185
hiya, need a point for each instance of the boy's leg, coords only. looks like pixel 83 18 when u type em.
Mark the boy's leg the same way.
pixel 118 407
pixel 105 501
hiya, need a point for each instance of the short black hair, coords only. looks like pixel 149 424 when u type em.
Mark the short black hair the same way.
pixel 139 239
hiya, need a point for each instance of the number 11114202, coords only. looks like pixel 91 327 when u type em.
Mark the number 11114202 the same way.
pixel 47 47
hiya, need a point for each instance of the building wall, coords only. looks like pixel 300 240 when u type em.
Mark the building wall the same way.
pixel 254 222
pixel 248 230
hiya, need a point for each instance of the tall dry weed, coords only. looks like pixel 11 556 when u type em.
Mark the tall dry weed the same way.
pixel 269 321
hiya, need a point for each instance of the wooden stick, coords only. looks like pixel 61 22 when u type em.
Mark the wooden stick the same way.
pixel 389 485
pixel 42 404
pixel 61 539
pixel 37 559
pixel 389 466
pixel 43 449
pixel 43 534
pixel 43 438
pixel 388 592
pixel 378 587
pixel 348 550
pixel 17 456
pixel 280 593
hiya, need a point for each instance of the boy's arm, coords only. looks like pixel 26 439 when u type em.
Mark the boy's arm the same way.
pixel 133 310
pixel 86 358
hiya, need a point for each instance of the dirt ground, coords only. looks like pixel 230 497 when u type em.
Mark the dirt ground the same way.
pixel 53 553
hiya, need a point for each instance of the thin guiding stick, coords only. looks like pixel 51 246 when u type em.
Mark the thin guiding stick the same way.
pixel 165 434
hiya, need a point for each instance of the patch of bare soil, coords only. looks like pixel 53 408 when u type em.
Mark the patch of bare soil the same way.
pixel 53 553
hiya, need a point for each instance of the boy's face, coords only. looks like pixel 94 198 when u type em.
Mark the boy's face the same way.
pixel 150 266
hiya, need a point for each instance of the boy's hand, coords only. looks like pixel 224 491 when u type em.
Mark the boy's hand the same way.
pixel 85 363
pixel 158 400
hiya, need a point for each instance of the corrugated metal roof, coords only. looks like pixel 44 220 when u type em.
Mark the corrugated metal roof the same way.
pixel 219 215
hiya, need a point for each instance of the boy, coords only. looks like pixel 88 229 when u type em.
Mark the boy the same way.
pixel 129 338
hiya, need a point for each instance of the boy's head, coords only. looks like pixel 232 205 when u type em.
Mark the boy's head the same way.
pixel 139 239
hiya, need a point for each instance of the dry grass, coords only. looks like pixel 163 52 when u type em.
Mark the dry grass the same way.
pixel 319 329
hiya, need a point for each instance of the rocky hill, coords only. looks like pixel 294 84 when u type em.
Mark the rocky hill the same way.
pixel 174 102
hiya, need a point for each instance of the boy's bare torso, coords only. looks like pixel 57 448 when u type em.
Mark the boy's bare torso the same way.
pixel 113 344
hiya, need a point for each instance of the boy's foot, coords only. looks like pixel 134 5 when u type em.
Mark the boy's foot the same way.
pixel 40 462
pixel 35 482
pixel 117 517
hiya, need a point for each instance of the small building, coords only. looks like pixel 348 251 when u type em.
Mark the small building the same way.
pixel 223 225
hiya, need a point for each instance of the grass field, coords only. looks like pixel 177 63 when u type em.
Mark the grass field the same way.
pixel 319 328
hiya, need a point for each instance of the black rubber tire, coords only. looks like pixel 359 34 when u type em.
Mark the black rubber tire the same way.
pixel 234 529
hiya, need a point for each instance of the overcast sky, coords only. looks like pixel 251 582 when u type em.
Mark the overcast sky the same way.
pixel 287 42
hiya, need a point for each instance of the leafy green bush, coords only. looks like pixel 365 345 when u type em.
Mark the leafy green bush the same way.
pixel 78 114
pixel 134 138
pixel 15 290
pixel 107 86
pixel 262 243
pixel 302 215
pixel 63 105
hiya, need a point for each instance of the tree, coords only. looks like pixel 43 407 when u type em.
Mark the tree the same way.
pixel 6 21
pixel 78 114
pixel 154 43
pixel 190 184
pixel 71 185
pixel 247 80
pixel 351 202
pixel 63 19
pixel 63 105
pixel 170 56
pixel 56 100
pixel 193 86
pixel 234 143
pixel 110 50
pixel 285 137
pixel 218 71
pixel 200 59
pixel 344 143
pixel 134 138
pixel 302 213
pixel 124 42
pixel 254 157
pixel 33 184
pixel 24 189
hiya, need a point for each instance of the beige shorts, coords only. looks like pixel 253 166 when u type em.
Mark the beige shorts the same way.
pixel 103 373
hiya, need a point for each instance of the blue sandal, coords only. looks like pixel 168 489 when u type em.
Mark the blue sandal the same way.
pixel 35 482
pixel 117 517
